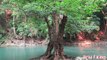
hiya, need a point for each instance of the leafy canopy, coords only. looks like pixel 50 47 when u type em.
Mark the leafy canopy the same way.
pixel 77 12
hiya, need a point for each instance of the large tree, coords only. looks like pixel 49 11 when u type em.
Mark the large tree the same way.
pixel 55 14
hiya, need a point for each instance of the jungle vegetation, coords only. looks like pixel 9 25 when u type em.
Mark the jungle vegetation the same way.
pixel 52 19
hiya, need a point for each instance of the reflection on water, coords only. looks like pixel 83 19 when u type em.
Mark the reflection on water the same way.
pixel 84 49
pixel 87 48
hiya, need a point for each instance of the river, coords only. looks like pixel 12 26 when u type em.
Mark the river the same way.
pixel 26 53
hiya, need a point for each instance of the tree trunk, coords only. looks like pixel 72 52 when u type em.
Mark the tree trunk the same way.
pixel 57 46
pixel 58 49
pixel 55 31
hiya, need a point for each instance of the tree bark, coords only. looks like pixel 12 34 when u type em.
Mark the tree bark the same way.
pixel 55 32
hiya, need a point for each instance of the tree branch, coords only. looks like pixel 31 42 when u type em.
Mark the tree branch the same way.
pixel 62 24
pixel 46 20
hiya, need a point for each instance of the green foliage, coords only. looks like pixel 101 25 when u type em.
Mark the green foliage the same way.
pixel 42 28
pixel 26 29
pixel 89 25
pixel 0 36
pixel 76 10
pixel 28 15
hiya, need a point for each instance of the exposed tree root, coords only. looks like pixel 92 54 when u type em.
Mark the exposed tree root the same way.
pixel 58 53
pixel 52 57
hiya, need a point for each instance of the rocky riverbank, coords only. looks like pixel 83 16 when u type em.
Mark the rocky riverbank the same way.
pixel 23 43
pixel 32 42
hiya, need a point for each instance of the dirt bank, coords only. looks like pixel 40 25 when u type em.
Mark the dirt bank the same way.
pixel 23 43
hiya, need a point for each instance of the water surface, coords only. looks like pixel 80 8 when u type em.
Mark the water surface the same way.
pixel 21 53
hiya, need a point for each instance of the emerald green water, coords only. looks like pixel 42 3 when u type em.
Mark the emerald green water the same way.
pixel 16 53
